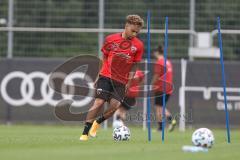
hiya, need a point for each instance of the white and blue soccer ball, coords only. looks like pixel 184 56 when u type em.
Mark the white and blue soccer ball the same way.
pixel 203 137
pixel 121 133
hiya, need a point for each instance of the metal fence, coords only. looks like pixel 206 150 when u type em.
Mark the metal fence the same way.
pixel 62 27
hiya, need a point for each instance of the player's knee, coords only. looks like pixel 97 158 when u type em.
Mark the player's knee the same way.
pixel 115 103
pixel 98 102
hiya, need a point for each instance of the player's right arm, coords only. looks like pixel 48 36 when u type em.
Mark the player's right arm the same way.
pixel 105 50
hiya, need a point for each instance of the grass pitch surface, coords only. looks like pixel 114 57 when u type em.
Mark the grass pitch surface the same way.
pixel 30 142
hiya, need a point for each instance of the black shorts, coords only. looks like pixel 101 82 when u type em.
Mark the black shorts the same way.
pixel 128 102
pixel 107 88
pixel 159 99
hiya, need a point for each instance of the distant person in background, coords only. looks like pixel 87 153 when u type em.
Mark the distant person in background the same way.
pixel 129 100
pixel 158 81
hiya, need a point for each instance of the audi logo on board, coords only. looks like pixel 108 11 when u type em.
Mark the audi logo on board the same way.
pixel 27 89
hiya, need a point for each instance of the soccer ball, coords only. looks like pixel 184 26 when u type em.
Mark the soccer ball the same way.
pixel 203 137
pixel 121 133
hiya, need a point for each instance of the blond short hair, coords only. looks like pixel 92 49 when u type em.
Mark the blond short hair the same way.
pixel 135 20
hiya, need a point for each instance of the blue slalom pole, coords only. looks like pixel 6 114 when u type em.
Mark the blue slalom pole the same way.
pixel 223 78
pixel 164 76
pixel 148 79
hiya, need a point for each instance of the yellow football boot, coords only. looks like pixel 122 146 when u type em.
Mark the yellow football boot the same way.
pixel 83 137
pixel 94 128
pixel 172 125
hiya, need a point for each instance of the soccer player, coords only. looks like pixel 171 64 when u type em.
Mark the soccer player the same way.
pixel 129 100
pixel 121 53
pixel 158 81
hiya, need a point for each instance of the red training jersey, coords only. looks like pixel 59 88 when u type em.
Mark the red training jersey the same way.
pixel 119 56
pixel 169 75
pixel 134 88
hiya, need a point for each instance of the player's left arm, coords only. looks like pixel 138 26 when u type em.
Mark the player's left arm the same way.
pixel 140 78
pixel 131 75
pixel 136 60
